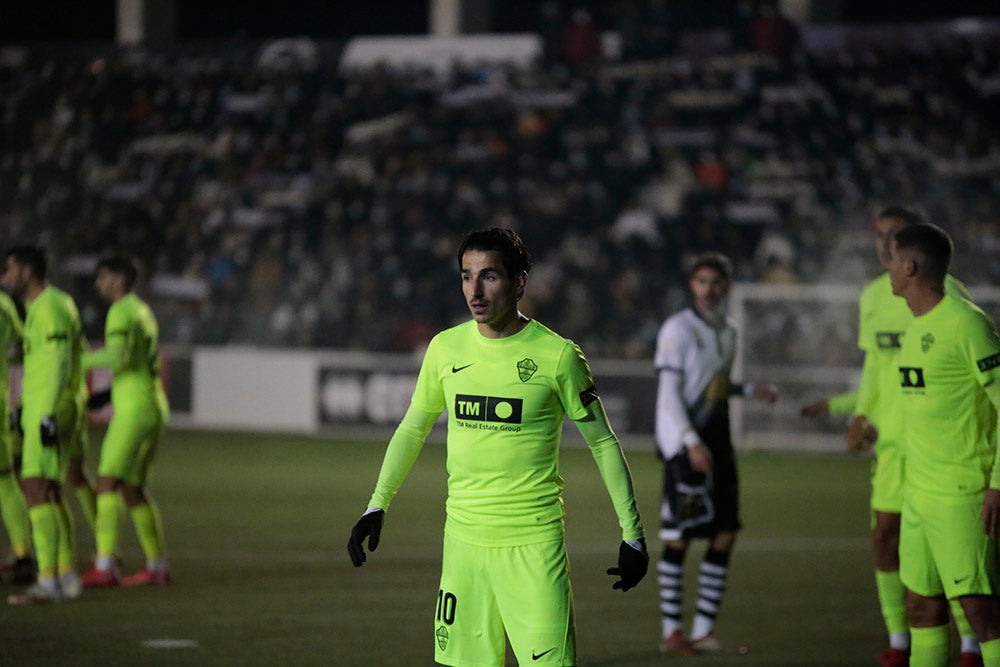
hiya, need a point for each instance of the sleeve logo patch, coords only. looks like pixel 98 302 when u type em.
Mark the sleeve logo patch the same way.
pixel 526 368
pixel 988 363
pixel 588 395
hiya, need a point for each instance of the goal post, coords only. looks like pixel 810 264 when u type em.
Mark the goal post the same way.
pixel 802 338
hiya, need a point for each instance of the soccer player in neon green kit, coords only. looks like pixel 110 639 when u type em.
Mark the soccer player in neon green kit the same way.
pixel 507 383
pixel 12 505
pixel 949 372
pixel 52 348
pixel 131 351
pixel 878 420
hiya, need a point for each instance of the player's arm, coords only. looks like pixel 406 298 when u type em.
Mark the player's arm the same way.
pixel 115 352
pixel 861 434
pixel 401 453
pixel 991 504
pixel 672 423
pixel 839 404
pixel 633 560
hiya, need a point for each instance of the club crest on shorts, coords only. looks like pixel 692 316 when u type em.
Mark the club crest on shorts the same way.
pixel 926 342
pixel 526 368
pixel 442 637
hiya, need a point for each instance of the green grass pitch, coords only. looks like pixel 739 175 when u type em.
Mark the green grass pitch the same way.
pixel 257 527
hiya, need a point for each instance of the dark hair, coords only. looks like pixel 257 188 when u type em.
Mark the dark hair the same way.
pixel 932 244
pixel 32 256
pixel 122 265
pixel 507 242
pixel 906 216
pixel 712 260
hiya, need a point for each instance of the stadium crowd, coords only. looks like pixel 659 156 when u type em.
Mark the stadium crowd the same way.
pixel 288 205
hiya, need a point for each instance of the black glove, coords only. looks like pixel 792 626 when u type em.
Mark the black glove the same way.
pixel 98 399
pixel 370 526
pixel 632 566
pixel 15 421
pixel 49 431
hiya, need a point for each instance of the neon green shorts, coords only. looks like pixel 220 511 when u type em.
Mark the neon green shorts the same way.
pixel 131 442
pixel 41 461
pixel 943 548
pixel 484 591
pixel 887 482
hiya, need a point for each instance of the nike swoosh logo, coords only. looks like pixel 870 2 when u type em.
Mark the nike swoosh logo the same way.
pixel 455 369
pixel 536 656
pixel 958 581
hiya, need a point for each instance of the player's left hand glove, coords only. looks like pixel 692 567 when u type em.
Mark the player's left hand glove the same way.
pixel 370 526
pixel 632 565
pixel 49 431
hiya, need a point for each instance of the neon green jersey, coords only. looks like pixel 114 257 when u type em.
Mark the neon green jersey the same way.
pixel 883 317
pixel 131 351
pixel 948 356
pixel 52 347
pixel 506 400
pixel 11 332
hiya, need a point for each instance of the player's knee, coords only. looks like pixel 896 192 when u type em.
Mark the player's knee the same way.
pixel 924 612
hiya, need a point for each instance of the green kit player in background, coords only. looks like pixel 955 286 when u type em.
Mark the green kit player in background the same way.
pixel 949 374
pixel 49 415
pixel 131 351
pixel 507 383
pixel 876 406
pixel 12 506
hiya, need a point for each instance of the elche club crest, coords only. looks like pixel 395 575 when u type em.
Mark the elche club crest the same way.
pixel 526 368
pixel 926 342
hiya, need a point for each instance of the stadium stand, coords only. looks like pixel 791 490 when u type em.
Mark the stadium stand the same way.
pixel 284 201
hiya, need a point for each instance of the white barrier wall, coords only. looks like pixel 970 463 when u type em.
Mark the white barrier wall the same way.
pixel 254 388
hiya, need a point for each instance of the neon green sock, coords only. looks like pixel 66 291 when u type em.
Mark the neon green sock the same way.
pixel 965 630
pixel 88 502
pixel 148 527
pixel 929 646
pixel 991 653
pixel 892 599
pixel 45 533
pixel 67 538
pixel 106 523
pixel 15 515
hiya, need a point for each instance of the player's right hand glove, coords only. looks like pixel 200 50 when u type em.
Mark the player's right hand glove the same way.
pixel 632 565
pixel 370 526
pixel 49 431
pixel 15 421
pixel 98 399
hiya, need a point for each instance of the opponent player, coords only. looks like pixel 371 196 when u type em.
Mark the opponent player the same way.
pixel 949 372
pixel 12 505
pixel 52 347
pixel 876 406
pixel 694 359
pixel 131 351
pixel 507 383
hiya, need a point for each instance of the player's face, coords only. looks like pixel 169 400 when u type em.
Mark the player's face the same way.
pixel 884 229
pixel 709 288
pixel 896 266
pixel 490 293
pixel 106 284
pixel 15 277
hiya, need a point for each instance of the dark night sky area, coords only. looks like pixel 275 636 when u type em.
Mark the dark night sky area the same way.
pixel 93 20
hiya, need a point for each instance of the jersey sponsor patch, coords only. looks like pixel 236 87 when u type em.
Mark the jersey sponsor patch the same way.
pixel 911 378
pixel 588 395
pixel 988 363
pixel 889 340
pixel 488 408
